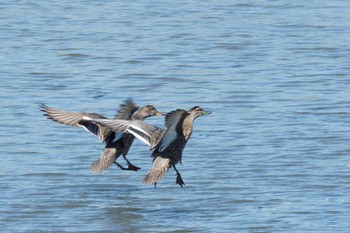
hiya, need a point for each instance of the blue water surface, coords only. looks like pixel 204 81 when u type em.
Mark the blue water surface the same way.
pixel 272 157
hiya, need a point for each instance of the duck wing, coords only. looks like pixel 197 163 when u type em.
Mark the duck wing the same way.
pixel 143 131
pixel 173 123
pixel 126 110
pixel 149 134
pixel 75 119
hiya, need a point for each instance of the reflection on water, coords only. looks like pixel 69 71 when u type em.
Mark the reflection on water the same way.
pixel 272 157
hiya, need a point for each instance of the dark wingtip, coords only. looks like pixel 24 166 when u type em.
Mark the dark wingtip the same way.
pixel 43 107
pixel 130 100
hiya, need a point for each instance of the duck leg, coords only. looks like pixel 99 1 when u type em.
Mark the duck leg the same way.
pixel 130 165
pixel 120 166
pixel 179 180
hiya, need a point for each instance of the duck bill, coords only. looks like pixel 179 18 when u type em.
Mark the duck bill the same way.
pixel 206 112
pixel 159 114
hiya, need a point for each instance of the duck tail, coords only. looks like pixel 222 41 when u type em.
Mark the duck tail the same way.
pixel 106 159
pixel 159 167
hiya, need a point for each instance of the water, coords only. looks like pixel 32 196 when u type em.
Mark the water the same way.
pixel 272 157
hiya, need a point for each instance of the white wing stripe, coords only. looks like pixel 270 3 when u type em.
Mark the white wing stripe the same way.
pixel 86 118
pixel 138 129
pixel 141 138
pixel 140 134
pixel 92 128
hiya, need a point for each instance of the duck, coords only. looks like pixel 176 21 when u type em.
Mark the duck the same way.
pixel 117 144
pixel 166 144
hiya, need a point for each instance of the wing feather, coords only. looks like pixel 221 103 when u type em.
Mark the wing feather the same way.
pixel 141 130
pixel 75 119
pixel 171 121
pixel 126 110
pixel 115 125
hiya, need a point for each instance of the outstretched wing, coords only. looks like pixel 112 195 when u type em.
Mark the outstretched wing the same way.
pixel 145 132
pixel 139 129
pixel 75 119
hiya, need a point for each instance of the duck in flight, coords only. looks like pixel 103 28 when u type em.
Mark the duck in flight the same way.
pixel 116 143
pixel 167 144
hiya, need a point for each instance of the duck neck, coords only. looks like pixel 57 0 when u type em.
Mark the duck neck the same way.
pixel 187 126
pixel 138 116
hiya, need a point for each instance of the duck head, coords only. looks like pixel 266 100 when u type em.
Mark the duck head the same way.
pixel 148 111
pixel 197 111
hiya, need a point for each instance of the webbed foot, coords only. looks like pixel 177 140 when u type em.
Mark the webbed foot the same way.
pixel 179 180
pixel 133 167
